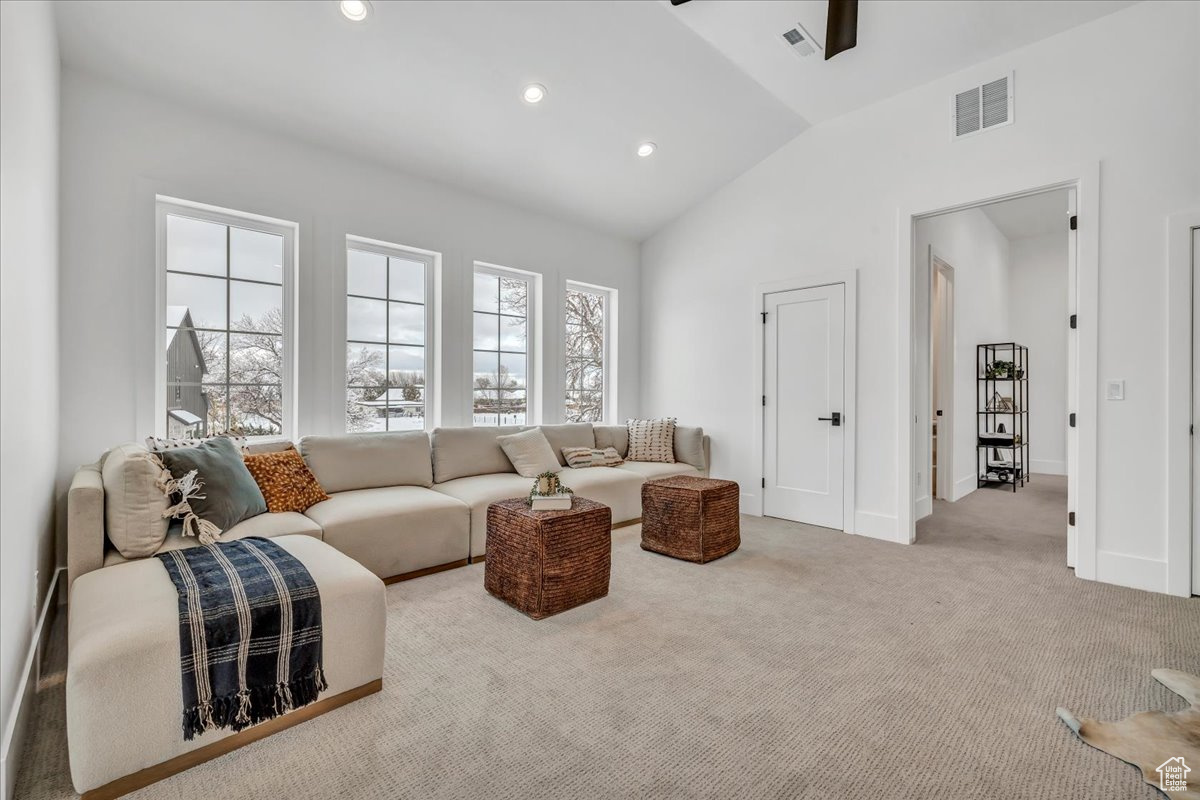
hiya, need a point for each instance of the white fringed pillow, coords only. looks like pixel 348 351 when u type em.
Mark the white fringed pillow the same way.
pixel 652 440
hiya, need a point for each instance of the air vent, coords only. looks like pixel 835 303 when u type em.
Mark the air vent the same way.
pixel 800 42
pixel 981 108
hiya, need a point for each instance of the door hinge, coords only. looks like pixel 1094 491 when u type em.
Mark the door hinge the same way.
pixel 764 483
pixel 1071 518
pixel 1074 321
pixel 1074 222
pixel 1071 419
pixel 764 399
pixel 764 317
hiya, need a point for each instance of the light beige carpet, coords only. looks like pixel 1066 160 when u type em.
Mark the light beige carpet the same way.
pixel 807 664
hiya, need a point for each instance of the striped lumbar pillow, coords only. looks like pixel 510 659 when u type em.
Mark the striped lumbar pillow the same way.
pixel 652 440
pixel 580 457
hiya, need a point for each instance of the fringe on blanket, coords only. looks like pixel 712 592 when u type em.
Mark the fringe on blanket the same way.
pixel 187 488
pixel 247 707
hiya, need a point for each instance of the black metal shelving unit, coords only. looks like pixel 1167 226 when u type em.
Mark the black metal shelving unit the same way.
pixel 1002 401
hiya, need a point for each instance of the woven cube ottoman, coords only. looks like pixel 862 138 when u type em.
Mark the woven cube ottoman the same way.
pixel 692 518
pixel 545 562
pixel 124 695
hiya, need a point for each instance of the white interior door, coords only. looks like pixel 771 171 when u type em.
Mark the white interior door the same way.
pixel 1072 377
pixel 804 375
pixel 1195 410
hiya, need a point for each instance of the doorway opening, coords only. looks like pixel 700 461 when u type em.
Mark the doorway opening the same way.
pixel 993 366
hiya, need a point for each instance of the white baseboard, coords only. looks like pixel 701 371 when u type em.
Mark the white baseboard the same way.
pixel 1043 466
pixel 923 507
pixel 13 743
pixel 963 487
pixel 1135 572
pixel 877 526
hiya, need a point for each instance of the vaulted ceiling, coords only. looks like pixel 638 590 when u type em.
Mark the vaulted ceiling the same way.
pixel 434 88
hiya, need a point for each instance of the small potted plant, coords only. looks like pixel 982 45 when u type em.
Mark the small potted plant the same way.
pixel 548 493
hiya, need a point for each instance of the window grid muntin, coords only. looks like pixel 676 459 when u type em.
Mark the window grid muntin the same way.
pixel 229 330
pixel 602 361
pixel 388 252
pixel 524 390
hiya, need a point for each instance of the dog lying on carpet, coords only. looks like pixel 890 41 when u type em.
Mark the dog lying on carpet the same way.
pixel 1165 745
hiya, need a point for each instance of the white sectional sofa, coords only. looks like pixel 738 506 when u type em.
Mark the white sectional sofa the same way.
pixel 404 504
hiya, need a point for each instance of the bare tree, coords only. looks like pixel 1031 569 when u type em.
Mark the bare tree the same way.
pixel 584 357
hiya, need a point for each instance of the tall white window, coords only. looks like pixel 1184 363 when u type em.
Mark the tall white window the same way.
pixel 504 325
pixel 389 329
pixel 588 348
pixel 226 363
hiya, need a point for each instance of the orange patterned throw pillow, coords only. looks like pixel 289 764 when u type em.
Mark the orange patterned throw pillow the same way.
pixel 285 481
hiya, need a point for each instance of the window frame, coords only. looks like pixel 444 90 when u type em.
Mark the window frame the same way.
pixel 432 261
pixel 609 351
pixel 533 333
pixel 165 206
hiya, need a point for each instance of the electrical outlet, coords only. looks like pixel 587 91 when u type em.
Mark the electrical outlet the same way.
pixel 1114 390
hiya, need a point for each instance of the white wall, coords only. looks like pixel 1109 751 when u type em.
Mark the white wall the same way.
pixel 121 147
pixel 1038 319
pixel 29 392
pixel 979 254
pixel 1121 91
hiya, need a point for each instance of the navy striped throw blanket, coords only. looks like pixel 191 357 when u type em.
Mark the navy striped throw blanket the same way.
pixel 249 633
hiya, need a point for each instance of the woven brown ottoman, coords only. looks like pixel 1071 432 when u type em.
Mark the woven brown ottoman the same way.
pixel 692 518
pixel 544 562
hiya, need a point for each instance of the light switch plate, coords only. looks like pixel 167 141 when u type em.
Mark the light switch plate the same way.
pixel 1114 390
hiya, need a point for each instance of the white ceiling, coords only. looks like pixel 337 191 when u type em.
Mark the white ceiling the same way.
pixel 901 45
pixel 1035 215
pixel 433 88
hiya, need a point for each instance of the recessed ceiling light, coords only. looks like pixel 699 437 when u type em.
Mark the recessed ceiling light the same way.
pixel 355 10
pixel 534 93
pixel 646 149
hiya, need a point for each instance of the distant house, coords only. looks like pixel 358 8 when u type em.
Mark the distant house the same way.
pixel 187 404
pixel 393 403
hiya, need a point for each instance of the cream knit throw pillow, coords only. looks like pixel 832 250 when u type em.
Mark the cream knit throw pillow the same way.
pixel 652 440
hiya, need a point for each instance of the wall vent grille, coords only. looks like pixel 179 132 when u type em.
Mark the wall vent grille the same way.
pixel 982 108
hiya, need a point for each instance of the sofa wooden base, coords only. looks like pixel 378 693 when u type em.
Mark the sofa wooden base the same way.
pixel 419 573
pixel 149 775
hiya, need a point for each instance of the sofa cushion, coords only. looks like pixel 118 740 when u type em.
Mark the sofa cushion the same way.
pixel 122 685
pixel 571 434
pixel 480 491
pixel 529 453
pixel 462 452
pixel 369 460
pixel 133 501
pixel 288 523
pixel 689 446
pixel 614 436
pixel 652 440
pixel 395 530
pixel 285 480
pixel 227 493
pixel 650 470
pixel 619 490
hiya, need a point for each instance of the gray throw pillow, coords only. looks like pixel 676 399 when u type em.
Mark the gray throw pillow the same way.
pixel 229 491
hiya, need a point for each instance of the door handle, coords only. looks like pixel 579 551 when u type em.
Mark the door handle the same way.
pixel 835 418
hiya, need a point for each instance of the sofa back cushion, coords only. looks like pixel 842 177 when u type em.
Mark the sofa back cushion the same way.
pixel 572 434
pixel 463 452
pixel 614 436
pixel 369 460
pixel 689 446
pixel 133 501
